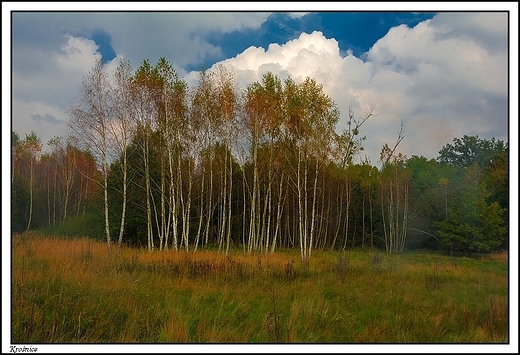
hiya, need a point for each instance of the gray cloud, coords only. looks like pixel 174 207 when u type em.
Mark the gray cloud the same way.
pixel 46 118
pixel 486 29
pixel 179 36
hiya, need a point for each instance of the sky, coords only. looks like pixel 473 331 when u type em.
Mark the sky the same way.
pixel 442 72
pixel 441 75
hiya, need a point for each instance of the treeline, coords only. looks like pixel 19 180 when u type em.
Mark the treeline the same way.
pixel 167 166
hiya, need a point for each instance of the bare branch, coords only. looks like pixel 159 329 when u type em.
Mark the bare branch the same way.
pixel 387 153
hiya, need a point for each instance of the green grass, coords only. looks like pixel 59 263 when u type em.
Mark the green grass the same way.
pixel 73 291
pixel 84 225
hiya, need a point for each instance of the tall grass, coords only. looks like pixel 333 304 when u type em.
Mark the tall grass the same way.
pixel 74 291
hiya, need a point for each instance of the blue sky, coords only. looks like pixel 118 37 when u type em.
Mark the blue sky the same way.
pixel 356 31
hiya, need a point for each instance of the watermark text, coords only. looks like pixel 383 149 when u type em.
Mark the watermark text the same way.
pixel 23 349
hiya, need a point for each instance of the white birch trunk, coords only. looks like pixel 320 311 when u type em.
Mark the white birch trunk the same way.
pixel 278 213
pixel 123 212
pixel 228 237
pixel 201 213
pixel 313 218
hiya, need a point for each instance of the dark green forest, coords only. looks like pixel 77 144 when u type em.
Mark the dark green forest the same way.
pixel 153 163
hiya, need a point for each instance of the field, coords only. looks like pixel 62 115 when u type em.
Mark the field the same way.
pixel 74 291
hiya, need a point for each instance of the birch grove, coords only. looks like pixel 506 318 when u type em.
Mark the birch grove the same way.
pixel 185 168
pixel 218 166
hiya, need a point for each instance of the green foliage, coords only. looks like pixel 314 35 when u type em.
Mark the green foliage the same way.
pixel 462 204
pixel 473 224
pixel 470 149
pixel 84 225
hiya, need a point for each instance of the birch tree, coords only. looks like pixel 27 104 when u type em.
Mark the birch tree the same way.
pixel 264 118
pixel 144 94
pixel 347 146
pixel 204 114
pixel 311 119
pixel 122 128
pixel 65 160
pixel 228 99
pixel 394 181
pixel 31 149
pixel 169 151
pixel 176 131
pixel 89 120
pixel 55 145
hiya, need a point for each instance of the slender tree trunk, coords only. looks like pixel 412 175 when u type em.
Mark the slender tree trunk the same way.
pixel 363 220
pixel 223 204
pixel 391 219
pixel 258 219
pixel 244 210
pixel 230 200
pixel 105 188
pixel 149 225
pixel 338 219
pixel 54 199
pixel 371 217
pixel 182 200
pixel 269 213
pixel 66 198
pixel 186 221
pixel 405 217
pixel 168 191
pixel 347 211
pixel 395 217
pixel 123 212
pixel 210 207
pixel 327 222
pixel 301 231
pixel 263 236
pixel 156 216
pixel 201 213
pixel 253 216
pixel 320 238
pixel 387 240
pixel 173 201
pixel 49 213
pixel 31 192
pixel 313 218
pixel 278 212
pixel 162 228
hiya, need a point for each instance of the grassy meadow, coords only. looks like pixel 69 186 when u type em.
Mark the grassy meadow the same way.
pixel 74 291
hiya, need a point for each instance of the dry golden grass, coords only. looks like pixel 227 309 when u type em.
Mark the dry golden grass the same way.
pixel 75 291
pixel 502 255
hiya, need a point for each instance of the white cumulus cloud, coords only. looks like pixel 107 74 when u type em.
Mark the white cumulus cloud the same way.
pixel 444 78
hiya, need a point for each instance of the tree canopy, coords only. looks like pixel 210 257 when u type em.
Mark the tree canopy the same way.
pixel 165 165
